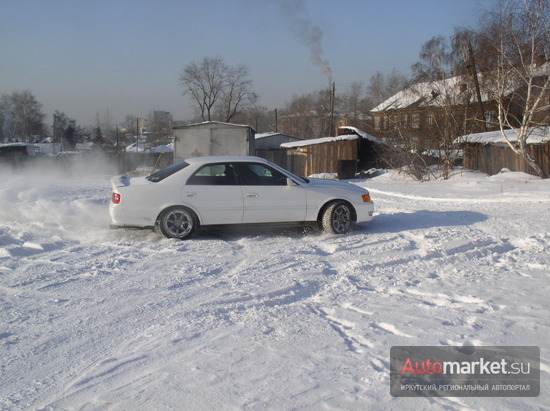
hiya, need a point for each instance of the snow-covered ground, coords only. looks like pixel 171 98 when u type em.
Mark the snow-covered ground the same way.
pixel 265 319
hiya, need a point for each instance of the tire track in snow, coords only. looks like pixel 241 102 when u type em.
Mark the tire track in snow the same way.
pixel 508 198
pixel 355 342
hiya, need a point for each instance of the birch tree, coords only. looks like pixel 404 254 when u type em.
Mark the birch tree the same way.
pixel 519 34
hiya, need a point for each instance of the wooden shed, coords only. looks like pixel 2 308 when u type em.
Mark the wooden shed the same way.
pixel 322 155
pixel 344 154
pixel 489 153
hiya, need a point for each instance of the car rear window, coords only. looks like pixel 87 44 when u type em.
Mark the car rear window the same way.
pixel 166 172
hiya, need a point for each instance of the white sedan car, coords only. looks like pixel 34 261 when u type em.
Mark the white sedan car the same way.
pixel 233 190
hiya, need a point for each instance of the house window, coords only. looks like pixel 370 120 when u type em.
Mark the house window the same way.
pixel 430 120
pixel 413 141
pixel 490 118
pixel 377 122
pixel 415 121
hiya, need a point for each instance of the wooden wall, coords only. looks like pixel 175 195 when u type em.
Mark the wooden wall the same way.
pixel 321 158
pixel 491 159
pixel 277 156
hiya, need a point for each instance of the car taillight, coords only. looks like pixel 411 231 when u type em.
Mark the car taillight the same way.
pixel 116 198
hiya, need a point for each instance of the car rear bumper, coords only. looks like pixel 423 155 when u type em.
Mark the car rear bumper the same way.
pixel 116 215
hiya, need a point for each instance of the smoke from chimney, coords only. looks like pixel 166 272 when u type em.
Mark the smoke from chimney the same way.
pixel 308 33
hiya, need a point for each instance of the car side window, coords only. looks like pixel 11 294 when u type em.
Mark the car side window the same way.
pixel 214 175
pixel 255 174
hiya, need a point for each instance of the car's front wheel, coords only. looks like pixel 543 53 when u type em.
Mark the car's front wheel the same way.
pixel 177 222
pixel 337 218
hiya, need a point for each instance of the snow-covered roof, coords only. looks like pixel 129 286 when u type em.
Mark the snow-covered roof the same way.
pixel 362 134
pixel 219 123
pixel 265 135
pixel 356 134
pixel 142 148
pixel 162 149
pixel 429 94
pixel 18 145
pixel 537 135
pixel 321 140
pixel 444 92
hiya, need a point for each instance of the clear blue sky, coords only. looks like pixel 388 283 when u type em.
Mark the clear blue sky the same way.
pixel 84 57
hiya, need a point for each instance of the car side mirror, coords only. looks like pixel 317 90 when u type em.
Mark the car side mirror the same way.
pixel 290 182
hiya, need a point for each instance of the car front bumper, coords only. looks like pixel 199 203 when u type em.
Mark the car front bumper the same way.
pixel 365 212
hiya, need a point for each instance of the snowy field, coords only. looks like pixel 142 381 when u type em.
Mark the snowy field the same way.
pixel 276 319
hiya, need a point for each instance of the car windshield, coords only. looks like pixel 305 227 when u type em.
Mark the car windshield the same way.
pixel 302 179
pixel 166 172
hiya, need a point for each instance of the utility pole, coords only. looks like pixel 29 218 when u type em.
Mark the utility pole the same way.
pixel 54 130
pixel 331 133
pixel 137 134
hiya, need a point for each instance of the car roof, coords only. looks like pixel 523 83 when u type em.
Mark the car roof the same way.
pixel 225 159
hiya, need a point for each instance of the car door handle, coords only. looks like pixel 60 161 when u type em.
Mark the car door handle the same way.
pixel 191 195
pixel 252 195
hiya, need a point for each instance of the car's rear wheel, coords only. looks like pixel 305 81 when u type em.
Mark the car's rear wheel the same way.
pixel 337 218
pixel 177 222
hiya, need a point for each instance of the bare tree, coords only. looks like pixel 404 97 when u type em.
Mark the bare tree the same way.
pixel 237 94
pixel 64 130
pixel 353 105
pixel 129 125
pixel 159 126
pixel 259 117
pixel 298 117
pixel 519 34
pixel 382 86
pixel 105 123
pixel 307 115
pixel 21 116
pixel 435 61
pixel 218 89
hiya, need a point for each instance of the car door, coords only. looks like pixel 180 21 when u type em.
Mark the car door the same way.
pixel 213 191
pixel 267 196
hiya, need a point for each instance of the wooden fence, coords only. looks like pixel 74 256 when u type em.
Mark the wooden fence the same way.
pixel 491 159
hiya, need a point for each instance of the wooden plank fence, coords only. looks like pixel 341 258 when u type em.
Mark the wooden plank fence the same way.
pixel 491 159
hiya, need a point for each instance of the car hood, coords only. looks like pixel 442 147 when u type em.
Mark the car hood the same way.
pixel 333 183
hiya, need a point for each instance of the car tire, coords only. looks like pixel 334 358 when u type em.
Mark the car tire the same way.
pixel 336 218
pixel 177 222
